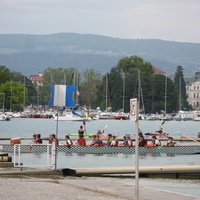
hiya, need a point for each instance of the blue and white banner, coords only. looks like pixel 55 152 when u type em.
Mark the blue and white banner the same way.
pixel 61 95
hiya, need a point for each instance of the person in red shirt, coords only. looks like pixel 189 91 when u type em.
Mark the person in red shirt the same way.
pixel 81 141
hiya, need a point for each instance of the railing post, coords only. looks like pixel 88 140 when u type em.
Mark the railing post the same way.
pixel 54 159
pixel 14 156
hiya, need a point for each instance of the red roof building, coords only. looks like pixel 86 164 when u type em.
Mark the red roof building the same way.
pixel 37 78
pixel 158 71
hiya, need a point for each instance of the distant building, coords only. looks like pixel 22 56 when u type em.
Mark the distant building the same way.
pixel 193 90
pixel 191 79
pixel 158 71
pixel 37 78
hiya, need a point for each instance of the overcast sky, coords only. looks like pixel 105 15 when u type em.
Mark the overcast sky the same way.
pixel 176 20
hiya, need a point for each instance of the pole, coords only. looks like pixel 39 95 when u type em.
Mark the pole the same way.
pixel 54 152
pixel 137 142
pixel 136 155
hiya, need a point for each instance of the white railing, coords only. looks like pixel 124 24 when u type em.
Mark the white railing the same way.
pixel 50 156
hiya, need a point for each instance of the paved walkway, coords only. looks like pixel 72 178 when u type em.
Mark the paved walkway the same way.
pixel 76 188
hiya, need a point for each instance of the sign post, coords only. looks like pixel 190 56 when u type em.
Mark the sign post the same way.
pixel 134 104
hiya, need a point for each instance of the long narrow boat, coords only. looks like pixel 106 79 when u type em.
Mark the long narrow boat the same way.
pixel 104 150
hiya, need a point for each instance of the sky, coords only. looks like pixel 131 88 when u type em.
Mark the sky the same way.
pixel 174 20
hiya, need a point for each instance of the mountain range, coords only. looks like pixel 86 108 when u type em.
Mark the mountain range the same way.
pixel 31 54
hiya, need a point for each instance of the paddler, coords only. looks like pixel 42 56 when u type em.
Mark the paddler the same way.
pixel 171 142
pixel 155 142
pixel 80 130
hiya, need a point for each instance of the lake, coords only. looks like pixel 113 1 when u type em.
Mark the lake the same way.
pixel 28 127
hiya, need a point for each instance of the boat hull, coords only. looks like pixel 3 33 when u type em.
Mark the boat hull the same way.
pixel 105 150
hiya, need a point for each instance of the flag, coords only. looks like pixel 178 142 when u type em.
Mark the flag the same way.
pixel 61 95
pixel 78 93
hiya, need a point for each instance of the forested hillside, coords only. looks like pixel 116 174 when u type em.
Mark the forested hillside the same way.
pixel 33 53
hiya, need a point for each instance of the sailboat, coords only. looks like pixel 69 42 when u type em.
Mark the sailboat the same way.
pixel 3 116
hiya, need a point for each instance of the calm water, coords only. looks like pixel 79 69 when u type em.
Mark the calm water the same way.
pixel 27 127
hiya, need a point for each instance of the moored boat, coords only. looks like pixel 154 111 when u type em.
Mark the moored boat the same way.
pixel 105 150
pixel 4 117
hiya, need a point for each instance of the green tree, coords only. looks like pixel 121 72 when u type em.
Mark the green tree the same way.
pixel 14 95
pixel 4 74
pixel 181 88
pixel 128 67
pixel 89 86
pixel 31 95
pixel 159 94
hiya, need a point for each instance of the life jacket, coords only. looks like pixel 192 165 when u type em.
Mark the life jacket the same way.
pixel 116 143
pixel 82 142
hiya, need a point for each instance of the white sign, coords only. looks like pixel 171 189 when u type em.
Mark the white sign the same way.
pixel 133 108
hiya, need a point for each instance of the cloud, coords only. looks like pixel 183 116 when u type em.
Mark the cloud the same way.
pixel 172 20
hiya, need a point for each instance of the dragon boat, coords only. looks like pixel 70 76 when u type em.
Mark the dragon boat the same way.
pixel 102 150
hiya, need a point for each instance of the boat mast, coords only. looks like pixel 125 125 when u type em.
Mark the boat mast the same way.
pixel 24 94
pixel 11 96
pixel 77 83
pixel 166 94
pixel 3 100
pixel 153 92
pixel 123 75
pixel 179 93
pixel 106 91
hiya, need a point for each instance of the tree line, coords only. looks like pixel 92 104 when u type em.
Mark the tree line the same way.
pixel 158 93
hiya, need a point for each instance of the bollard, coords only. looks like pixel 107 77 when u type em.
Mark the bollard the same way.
pixel 5 158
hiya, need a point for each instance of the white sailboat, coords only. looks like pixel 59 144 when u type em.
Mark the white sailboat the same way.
pixel 71 116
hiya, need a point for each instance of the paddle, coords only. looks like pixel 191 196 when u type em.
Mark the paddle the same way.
pixel 84 123
pixel 189 138
pixel 104 128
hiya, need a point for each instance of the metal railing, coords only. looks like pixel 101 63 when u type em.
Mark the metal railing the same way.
pixel 50 155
